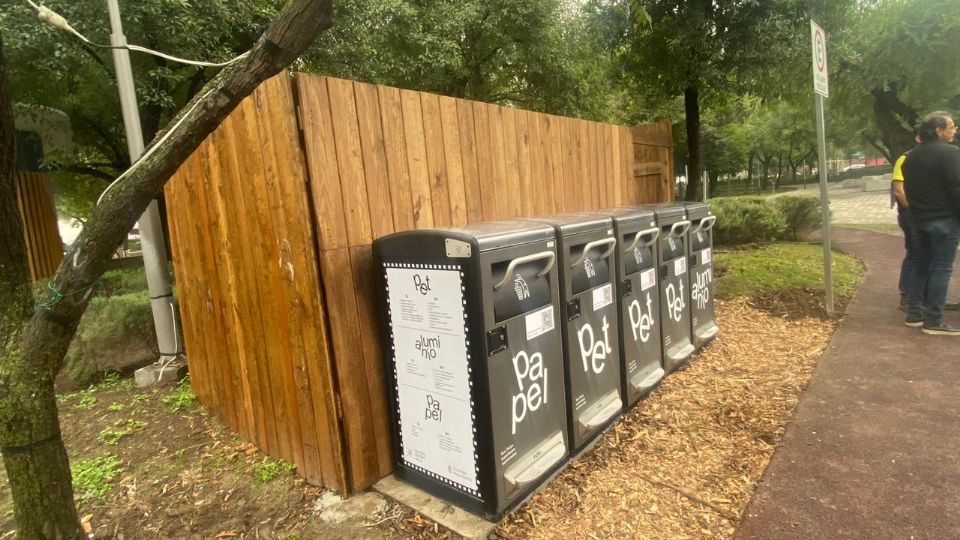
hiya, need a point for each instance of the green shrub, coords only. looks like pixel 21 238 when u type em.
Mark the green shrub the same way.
pixel 743 220
pixel 118 327
pixel 802 214
pixel 116 282
pixel 182 398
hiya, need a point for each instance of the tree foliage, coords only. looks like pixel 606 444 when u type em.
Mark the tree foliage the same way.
pixel 533 54
pixel 896 61
pixel 46 70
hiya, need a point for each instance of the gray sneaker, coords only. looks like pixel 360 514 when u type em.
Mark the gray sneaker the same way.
pixel 940 330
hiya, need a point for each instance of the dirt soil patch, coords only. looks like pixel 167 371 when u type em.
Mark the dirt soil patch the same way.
pixel 682 464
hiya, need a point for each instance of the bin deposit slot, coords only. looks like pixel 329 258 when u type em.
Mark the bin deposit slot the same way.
pixel 534 464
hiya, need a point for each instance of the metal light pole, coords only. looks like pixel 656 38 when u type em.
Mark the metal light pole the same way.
pixel 154 249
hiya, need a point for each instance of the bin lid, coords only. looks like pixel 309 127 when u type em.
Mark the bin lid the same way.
pixel 696 210
pixel 499 234
pixel 630 218
pixel 576 222
pixel 666 212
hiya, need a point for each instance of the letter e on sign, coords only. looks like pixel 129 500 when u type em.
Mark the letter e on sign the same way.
pixel 818 40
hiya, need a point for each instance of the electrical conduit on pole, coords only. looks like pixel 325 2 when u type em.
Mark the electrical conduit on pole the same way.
pixel 165 318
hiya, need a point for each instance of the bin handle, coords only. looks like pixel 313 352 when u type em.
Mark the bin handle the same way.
pixel 707 223
pixel 597 243
pixel 655 231
pixel 685 225
pixel 525 259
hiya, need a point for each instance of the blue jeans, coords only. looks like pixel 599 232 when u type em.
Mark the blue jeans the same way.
pixel 935 243
pixel 909 257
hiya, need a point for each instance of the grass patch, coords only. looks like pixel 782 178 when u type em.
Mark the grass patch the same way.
pixel 268 469
pixel 92 477
pixel 778 267
pixel 119 430
pixel 182 398
pixel 87 400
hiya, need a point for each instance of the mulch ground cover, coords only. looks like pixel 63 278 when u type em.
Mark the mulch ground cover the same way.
pixel 681 464
pixel 684 462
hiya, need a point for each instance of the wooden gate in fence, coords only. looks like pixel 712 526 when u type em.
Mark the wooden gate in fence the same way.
pixel 39 217
pixel 272 221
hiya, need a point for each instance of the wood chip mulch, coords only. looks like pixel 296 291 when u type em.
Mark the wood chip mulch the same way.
pixel 683 463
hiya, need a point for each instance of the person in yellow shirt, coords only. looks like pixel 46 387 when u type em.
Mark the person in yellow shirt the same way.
pixel 898 198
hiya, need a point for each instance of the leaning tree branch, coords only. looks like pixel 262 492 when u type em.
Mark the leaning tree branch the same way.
pixel 294 29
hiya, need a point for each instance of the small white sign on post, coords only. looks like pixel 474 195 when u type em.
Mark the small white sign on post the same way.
pixel 819 43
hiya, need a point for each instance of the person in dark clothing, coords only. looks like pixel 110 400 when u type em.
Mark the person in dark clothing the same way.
pixel 932 184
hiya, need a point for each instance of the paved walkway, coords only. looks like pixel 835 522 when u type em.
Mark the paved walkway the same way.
pixel 855 205
pixel 874 449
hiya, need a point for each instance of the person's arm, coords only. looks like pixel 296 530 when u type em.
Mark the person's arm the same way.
pixel 951 172
pixel 898 192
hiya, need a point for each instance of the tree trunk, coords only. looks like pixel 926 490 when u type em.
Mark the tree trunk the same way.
pixel 750 169
pixel 895 119
pixel 35 343
pixel 691 107
pixel 33 452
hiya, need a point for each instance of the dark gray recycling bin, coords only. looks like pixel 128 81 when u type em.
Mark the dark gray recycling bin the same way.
pixel 702 320
pixel 470 332
pixel 590 324
pixel 674 284
pixel 639 301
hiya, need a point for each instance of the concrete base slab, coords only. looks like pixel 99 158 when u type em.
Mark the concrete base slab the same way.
pixel 456 519
pixel 165 372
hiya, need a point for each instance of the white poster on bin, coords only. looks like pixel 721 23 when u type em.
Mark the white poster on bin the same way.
pixel 433 385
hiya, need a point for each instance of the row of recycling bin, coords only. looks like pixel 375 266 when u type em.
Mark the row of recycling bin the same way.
pixel 513 345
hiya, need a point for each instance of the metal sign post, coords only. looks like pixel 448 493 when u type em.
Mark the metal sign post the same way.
pixel 822 89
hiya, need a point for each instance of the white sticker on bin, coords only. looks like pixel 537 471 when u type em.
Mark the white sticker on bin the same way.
pixel 706 256
pixel 603 296
pixel 539 322
pixel 680 266
pixel 648 278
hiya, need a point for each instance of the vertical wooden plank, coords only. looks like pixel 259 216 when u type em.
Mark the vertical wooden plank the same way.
pixel 246 294
pixel 374 156
pixel 528 195
pixel 263 276
pixel 591 191
pixel 321 155
pixel 346 339
pixel 346 138
pixel 539 182
pixel 554 127
pixel 315 383
pixel 212 288
pixel 368 311
pixel 453 157
pixel 605 157
pixel 395 146
pixel 436 163
pixel 417 159
pixel 616 167
pixel 277 275
pixel 469 152
pixel 501 181
pixel 630 188
pixel 515 193
pixel 485 165
pixel 572 176
pixel 189 231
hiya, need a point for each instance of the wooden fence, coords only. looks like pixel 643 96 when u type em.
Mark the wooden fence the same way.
pixel 40 232
pixel 272 221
